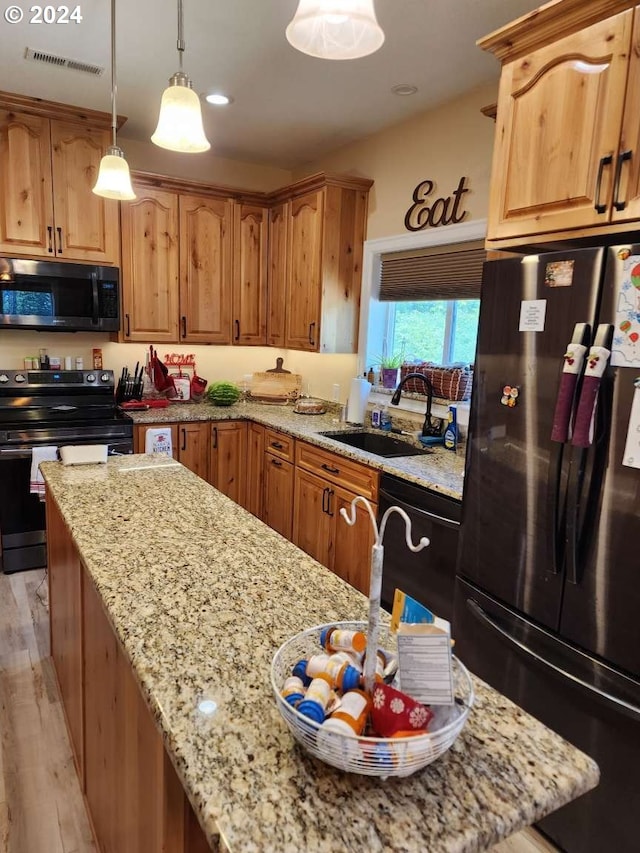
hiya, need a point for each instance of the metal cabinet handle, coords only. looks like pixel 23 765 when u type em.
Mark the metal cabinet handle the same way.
pixel 237 324
pixel 622 158
pixel 277 445
pixel 604 161
pixel 311 335
pixel 329 496
pixel 328 468
pixel 277 463
pixel 50 233
pixel 325 492
pixel 59 230
pixel 184 439
pixel 128 329
pixel 214 435
pixel 184 326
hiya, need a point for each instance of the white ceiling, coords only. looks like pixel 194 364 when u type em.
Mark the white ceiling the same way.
pixel 288 108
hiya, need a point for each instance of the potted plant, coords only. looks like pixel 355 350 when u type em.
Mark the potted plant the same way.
pixel 390 368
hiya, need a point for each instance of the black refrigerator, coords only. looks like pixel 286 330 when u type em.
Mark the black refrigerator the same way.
pixel 547 601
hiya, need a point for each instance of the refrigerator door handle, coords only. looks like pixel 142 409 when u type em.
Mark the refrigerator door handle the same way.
pixel 571 371
pixel 597 361
pixel 621 704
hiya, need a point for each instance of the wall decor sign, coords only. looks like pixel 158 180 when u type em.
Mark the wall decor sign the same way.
pixel 426 211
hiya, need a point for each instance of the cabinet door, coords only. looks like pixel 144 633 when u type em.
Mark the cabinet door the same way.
pixel 228 453
pixel 351 554
pixel 150 266
pixel 205 269
pixel 278 243
pixel 278 494
pixel 626 201
pixel 304 281
pixel 250 274
pixel 193 447
pixel 26 200
pixel 255 469
pixel 65 598
pixel 86 225
pixel 559 118
pixel 313 516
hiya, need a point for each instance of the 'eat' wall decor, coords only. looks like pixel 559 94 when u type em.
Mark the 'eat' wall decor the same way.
pixel 440 211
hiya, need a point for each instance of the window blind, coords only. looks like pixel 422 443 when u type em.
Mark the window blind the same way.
pixel 453 271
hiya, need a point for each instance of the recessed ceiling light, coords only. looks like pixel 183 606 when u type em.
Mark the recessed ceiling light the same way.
pixel 404 89
pixel 218 99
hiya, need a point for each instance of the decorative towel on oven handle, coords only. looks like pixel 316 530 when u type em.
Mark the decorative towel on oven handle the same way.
pixel 48 453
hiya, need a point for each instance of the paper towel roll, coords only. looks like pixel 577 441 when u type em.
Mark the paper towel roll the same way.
pixel 357 403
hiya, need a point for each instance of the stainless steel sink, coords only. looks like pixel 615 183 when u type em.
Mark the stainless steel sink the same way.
pixel 379 443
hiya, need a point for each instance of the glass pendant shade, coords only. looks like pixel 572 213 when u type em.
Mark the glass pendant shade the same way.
pixel 335 29
pixel 114 180
pixel 180 121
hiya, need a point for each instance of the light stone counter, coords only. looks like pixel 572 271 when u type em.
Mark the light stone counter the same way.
pixel 201 594
pixel 442 471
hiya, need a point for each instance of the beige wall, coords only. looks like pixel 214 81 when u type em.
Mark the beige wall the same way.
pixel 206 167
pixel 451 141
pixel 444 144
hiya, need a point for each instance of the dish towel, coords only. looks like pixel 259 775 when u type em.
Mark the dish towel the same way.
pixel 48 453
pixel 158 441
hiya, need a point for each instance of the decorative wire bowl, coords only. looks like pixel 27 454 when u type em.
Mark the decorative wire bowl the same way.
pixel 369 756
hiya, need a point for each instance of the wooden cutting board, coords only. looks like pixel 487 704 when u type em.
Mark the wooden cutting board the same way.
pixel 275 386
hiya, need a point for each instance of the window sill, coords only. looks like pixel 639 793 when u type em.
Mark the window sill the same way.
pixel 416 403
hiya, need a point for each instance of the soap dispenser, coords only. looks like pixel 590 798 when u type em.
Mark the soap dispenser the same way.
pixel 451 432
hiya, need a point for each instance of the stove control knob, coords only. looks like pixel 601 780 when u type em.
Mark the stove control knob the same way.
pixel 105 377
pixel 19 377
pixel 91 378
pixel 4 378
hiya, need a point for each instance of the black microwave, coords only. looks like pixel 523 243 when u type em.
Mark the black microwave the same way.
pixel 50 295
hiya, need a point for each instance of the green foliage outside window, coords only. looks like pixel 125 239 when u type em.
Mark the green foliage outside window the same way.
pixel 440 331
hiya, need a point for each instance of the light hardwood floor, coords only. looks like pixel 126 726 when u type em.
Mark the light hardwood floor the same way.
pixel 41 804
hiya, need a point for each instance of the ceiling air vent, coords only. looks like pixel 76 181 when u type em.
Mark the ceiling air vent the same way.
pixel 62 61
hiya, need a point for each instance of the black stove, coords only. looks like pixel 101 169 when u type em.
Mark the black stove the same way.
pixel 41 408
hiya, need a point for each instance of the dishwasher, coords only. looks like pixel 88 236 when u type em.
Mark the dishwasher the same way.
pixel 429 575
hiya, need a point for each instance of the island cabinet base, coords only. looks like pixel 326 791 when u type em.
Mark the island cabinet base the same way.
pixel 134 797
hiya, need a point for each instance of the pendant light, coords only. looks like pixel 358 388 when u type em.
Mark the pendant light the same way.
pixel 335 29
pixel 180 121
pixel 114 180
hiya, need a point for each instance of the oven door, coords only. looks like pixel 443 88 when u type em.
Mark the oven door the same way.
pixel 23 541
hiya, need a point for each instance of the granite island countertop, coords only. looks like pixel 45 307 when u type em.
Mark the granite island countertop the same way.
pixel 201 595
pixel 441 471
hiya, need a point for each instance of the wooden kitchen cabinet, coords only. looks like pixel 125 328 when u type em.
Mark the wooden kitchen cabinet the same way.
pixel 227 455
pixel 324 484
pixel 255 469
pixel 250 242
pixel 206 249
pixel 278 494
pixel 189 443
pixel 565 159
pixel 321 223
pixel 277 273
pixel 65 624
pixel 150 264
pixel 48 168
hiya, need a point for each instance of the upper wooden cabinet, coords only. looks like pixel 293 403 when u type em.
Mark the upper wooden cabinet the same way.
pixel 318 227
pixel 205 269
pixel 150 266
pixel 47 171
pixel 250 240
pixel 565 158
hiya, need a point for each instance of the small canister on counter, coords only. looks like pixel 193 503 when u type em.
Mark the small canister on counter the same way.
pixel 97 359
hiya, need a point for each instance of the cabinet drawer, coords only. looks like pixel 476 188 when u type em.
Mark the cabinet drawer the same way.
pixel 343 472
pixel 279 444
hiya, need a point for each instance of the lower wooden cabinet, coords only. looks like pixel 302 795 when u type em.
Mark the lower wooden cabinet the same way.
pixel 278 493
pixel 255 469
pixel 135 799
pixel 318 528
pixel 227 458
pixel 189 443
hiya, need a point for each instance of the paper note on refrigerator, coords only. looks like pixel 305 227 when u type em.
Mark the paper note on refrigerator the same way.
pixel 532 315
pixel 631 457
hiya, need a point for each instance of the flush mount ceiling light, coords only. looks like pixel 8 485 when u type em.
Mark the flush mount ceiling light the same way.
pixel 404 89
pixel 114 180
pixel 335 29
pixel 180 121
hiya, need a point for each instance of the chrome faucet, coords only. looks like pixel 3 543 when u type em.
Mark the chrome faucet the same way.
pixel 428 427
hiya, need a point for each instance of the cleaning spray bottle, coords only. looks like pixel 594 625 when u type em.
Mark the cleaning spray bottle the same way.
pixel 451 432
